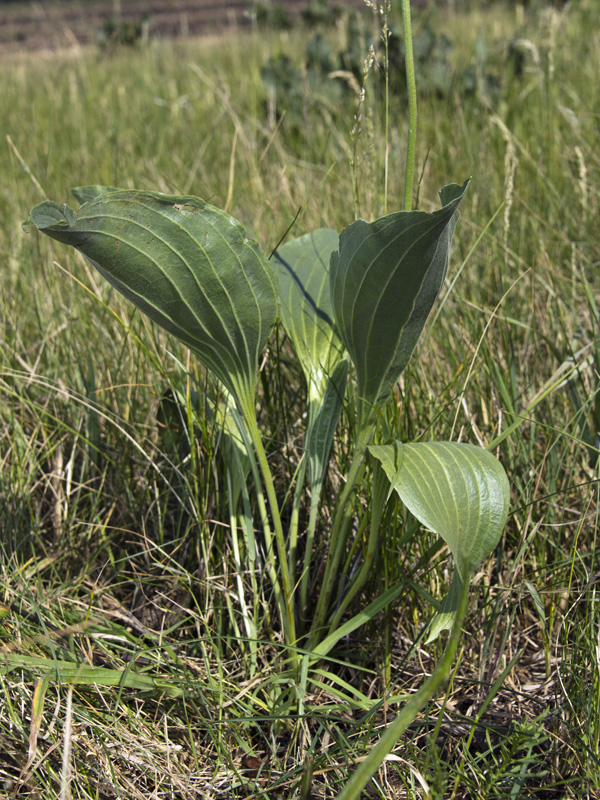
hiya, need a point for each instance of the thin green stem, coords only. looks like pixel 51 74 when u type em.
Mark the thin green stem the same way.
pixel 343 510
pixel 287 610
pixel 339 534
pixel 386 40
pixel 283 590
pixel 351 554
pixel 310 536
pixel 355 135
pixel 353 789
pixel 295 518
pixel 380 486
pixel 249 625
pixel 412 107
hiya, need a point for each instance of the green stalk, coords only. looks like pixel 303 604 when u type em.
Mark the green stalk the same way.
pixel 295 518
pixel 247 521
pixel 339 534
pixel 283 591
pixel 412 107
pixel 353 789
pixel 380 490
pixel 310 537
pixel 249 625
pixel 386 37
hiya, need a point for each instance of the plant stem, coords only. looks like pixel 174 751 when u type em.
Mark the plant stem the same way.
pixel 339 535
pixel 380 487
pixel 412 107
pixel 353 789
pixel 310 537
pixel 295 518
pixel 386 38
pixel 249 625
pixel 283 592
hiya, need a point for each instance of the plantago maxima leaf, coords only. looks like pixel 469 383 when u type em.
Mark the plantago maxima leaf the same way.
pixel 187 265
pixel 302 266
pixel 384 281
pixel 84 194
pixel 457 490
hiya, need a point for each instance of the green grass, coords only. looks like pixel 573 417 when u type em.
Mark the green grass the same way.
pixel 115 545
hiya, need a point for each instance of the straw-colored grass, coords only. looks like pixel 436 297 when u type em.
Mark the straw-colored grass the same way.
pixel 114 545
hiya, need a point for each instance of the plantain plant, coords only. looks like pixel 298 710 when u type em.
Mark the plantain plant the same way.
pixel 353 305
pixel 356 301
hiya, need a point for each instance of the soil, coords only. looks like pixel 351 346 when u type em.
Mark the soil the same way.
pixel 29 26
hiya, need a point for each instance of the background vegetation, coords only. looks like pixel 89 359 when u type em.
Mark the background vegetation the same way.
pixel 115 551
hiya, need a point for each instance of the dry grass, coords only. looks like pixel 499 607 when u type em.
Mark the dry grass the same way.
pixel 116 550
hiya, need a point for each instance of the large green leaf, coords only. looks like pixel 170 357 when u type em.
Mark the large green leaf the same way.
pixel 384 281
pixel 84 194
pixel 458 490
pixel 187 265
pixel 461 492
pixel 302 267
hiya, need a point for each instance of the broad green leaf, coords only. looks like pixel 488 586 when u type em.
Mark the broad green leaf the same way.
pixel 51 215
pixel 457 490
pixel 302 267
pixel 84 194
pixel 187 265
pixel 384 281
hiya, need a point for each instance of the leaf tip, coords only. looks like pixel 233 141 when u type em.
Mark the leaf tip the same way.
pixel 453 192
pixel 49 215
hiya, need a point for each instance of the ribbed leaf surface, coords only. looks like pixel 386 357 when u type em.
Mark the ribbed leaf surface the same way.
pixel 186 264
pixel 457 490
pixel 302 267
pixel 384 281
pixel 460 491
pixel 84 194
